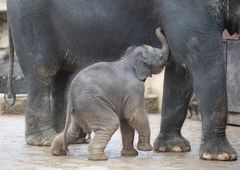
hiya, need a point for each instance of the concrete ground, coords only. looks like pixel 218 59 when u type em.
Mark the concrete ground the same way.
pixel 15 154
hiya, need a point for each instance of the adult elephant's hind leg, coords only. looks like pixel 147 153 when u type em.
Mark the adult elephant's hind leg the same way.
pixel 59 93
pixel 39 124
pixel 176 96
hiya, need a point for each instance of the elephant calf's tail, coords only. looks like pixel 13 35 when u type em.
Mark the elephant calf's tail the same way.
pixel 67 123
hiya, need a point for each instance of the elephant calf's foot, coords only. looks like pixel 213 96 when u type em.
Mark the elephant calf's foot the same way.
pixel 129 152
pixel 58 148
pixel 171 143
pixel 144 146
pixel 219 150
pixel 40 138
pixel 96 152
pixel 97 157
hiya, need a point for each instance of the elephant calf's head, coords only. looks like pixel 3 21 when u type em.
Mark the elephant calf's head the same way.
pixel 151 60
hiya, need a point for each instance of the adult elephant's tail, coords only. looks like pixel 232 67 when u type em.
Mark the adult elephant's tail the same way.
pixel 10 91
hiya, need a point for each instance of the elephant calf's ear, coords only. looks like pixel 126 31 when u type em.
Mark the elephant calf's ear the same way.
pixel 142 68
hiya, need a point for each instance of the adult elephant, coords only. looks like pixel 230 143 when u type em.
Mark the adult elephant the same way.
pixel 54 38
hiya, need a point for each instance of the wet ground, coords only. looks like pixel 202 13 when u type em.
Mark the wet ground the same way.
pixel 15 154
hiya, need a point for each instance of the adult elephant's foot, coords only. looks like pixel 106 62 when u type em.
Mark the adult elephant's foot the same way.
pixel 40 139
pixel 171 143
pixel 219 150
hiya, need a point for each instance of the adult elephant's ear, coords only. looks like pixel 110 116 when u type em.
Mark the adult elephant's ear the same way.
pixel 142 66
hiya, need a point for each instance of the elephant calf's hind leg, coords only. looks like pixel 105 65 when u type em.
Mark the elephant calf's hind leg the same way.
pixel 127 139
pixel 103 133
pixel 74 132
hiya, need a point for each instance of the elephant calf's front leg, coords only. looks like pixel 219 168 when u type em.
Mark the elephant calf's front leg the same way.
pixel 127 139
pixel 141 124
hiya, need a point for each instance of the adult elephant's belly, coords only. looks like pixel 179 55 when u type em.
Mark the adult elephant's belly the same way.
pixel 80 32
pixel 100 30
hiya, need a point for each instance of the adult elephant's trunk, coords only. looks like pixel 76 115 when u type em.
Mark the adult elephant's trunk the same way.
pixel 163 40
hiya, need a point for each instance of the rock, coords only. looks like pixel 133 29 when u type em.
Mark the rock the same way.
pixel 233 119
pixel 152 103
pixel 16 109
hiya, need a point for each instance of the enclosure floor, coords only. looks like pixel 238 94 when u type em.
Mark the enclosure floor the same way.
pixel 15 154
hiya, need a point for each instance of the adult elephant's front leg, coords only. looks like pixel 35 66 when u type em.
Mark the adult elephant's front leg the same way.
pixel 209 79
pixel 176 96
pixel 39 125
pixel 194 34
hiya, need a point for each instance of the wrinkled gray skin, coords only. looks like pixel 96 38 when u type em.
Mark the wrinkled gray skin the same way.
pixel 53 37
pixel 101 104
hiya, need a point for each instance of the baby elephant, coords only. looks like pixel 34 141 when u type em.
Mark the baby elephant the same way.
pixel 108 94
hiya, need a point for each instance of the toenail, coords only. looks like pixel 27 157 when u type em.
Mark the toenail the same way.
pixel 176 149
pixel 162 149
